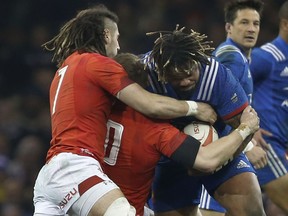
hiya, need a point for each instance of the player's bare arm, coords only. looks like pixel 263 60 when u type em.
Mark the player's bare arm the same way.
pixel 213 155
pixel 256 155
pixel 157 106
pixel 219 151
pixel 234 122
pixel 258 136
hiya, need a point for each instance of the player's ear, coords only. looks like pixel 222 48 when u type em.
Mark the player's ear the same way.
pixel 107 35
pixel 227 27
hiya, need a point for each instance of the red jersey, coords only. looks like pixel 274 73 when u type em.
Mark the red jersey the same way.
pixel 134 145
pixel 81 96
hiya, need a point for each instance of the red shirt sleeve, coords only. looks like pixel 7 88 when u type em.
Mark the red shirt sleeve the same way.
pixel 108 74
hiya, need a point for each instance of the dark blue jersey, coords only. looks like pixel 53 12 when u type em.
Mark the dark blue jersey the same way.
pixel 216 86
pixel 232 56
pixel 269 68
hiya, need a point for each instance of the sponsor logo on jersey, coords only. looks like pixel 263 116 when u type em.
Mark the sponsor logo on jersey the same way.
pixel 284 72
pixel 242 164
pixel 234 98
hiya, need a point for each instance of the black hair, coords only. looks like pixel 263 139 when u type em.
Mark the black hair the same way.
pixel 134 68
pixel 283 12
pixel 176 48
pixel 83 33
pixel 231 8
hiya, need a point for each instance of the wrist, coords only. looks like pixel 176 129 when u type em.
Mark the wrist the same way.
pixel 193 108
pixel 243 130
pixel 249 146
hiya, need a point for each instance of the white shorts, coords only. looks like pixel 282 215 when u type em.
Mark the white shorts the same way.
pixel 69 179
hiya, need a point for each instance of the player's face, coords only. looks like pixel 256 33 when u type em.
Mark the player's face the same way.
pixel 185 78
pixel 245 28
pixel 111 37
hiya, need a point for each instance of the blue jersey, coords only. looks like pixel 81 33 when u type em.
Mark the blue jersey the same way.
pixel 216 86
pixel 232 56
pixel 269 68
pixel 173 188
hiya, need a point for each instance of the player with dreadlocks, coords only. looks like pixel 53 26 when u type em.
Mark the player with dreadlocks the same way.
pixel 81 95
pixel 180 66
pixel 185 49
pixel 132 154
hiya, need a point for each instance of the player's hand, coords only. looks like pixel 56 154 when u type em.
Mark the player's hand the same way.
pixel 258 136
pixel 206 113
pixel 257 156
pixel 250 118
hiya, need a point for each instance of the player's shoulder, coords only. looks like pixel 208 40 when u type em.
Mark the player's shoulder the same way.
pixel 270 50
pixel 216 75
pixel 144 56
pixel 214 68
pixel 146 59
pixel 101 62
pixel 226 48
pixel 212 76
pixel 100 58
pixel 229 52
pixel 92 61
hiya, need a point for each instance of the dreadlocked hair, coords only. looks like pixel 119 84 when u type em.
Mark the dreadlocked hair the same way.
pixel 176 48
pixel 84 33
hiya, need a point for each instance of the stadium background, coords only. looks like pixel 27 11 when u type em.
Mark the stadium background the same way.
pixel 26 71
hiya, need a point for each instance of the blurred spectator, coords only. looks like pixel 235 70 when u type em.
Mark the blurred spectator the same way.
pixel 12 210
pixel 29 157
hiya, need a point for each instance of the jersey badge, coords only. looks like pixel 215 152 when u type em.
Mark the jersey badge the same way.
pixel 234 98
pixel 242 164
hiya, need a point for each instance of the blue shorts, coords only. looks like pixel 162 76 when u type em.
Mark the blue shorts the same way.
pixel 277 163
pixel 209 203
pixel 277 166
pixel 173 188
